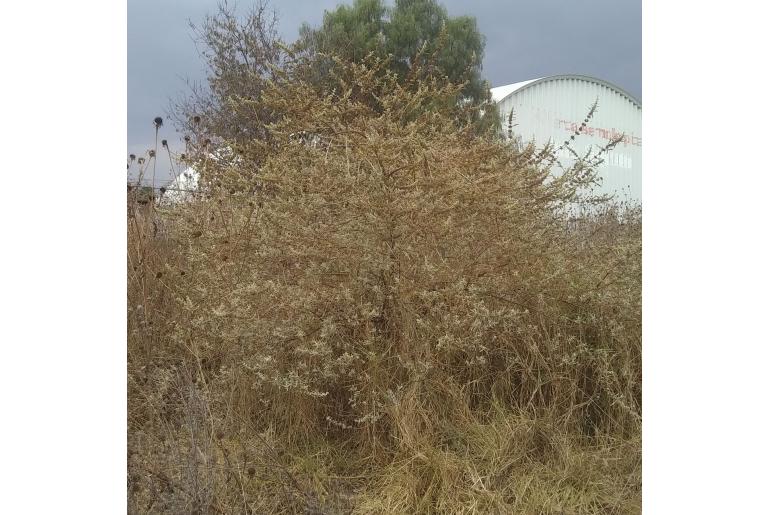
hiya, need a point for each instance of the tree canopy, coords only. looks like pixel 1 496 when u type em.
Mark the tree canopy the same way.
pixel 402 31
pixel 243 53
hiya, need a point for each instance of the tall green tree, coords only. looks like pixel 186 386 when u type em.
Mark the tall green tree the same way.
pixel 409 29
pixel 244 53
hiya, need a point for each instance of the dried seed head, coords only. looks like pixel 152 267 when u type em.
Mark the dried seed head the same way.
pixel 152 153
pixel 158 275
pixel 186 138
pixel 141 160
pixel 158 122
pixel 162 190
pixel 132 157
pixel 164 143
pixel 183 157
pixel 196 119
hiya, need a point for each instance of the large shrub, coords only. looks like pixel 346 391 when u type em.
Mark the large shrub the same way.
pixel 370 257
pixel 374 309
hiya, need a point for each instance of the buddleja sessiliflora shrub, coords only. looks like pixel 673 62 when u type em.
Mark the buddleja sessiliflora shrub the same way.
pixel 372 260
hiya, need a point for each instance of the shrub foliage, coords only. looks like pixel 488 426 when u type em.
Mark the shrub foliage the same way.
pixel 377 310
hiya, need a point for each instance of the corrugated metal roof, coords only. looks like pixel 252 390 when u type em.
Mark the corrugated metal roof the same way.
pixel 499 93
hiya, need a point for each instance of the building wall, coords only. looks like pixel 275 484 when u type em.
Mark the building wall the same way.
pixel 554 108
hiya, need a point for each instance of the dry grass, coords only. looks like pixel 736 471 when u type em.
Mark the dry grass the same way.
pixel 373 310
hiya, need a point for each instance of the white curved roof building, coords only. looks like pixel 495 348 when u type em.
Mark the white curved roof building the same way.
pixel 181 188
pixel 553 108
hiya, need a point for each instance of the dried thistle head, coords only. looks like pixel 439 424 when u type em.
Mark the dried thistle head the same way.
pixel 164 143
pixel 152 153
pixel 158 122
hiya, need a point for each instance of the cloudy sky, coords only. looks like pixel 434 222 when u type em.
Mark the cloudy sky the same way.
pixel 524 40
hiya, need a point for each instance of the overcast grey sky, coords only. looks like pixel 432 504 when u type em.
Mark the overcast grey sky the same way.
pixel 524 40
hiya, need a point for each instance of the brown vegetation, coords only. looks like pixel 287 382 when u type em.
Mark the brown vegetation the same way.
pixel 374 310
